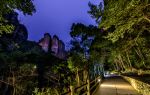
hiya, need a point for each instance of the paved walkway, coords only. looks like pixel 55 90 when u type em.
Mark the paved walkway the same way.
pixel 115 85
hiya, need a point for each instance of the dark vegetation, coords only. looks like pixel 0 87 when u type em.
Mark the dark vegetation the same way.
pixel 119 43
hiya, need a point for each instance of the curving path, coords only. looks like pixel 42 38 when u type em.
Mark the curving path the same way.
pixel 115 85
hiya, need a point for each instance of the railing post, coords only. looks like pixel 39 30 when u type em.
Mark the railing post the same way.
pixel 88 86
pixel 72 90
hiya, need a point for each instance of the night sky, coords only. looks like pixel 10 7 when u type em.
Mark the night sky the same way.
pixel 56 17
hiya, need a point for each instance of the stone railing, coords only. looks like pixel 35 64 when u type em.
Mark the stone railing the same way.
pixel 141 87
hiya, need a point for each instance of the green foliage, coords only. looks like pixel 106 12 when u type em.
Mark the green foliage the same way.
pixel 124 43
pixel 140 86
pixel 8 6
pixel 7 28
pixel 25 66
pixel 26 6
pixel 70 64
pixel 17 67
pixel 125 16
pixel 76 61
pixel 27 69
pixel 3 57
pixel 79 29
pixel 81 41
pixel 47 91
pixel 96 11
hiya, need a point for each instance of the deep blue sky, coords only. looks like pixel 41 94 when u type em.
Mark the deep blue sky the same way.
pixel 56 17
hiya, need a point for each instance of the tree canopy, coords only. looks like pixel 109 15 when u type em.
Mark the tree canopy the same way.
pixel 9 6
pixel 127 23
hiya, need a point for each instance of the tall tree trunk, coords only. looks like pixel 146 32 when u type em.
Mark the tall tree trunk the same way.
pixel 121 60
pixel 121 66
pixel 128 58
pixel 5 87
pixel 14 92
pixel 85 75
pixel 126 61
pixel 88 85
pixel 78 78
pixel 116 63
pixel 72 90
pixel 138 52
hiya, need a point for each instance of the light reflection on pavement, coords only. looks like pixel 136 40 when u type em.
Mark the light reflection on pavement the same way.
pixel 115 85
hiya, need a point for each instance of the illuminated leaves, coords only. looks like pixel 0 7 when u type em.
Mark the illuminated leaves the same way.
pixel 8 6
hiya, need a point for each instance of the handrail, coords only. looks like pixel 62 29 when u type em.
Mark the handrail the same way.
pixel 95 83
pixel 93 86
pixel 66 93
pixel 76 89
pixel 82 86
pixel 94 80
pixel 85 93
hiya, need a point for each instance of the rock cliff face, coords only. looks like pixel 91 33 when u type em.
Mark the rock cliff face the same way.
pixel 45 42
pixel 61 50
pixel 18 35
pixel 53 45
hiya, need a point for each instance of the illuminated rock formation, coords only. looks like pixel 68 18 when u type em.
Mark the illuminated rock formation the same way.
pixel 54 46
pixel 45 42
pixel 58 48
pixel 61 50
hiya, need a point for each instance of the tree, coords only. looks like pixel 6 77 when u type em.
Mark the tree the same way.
pixel 79 51
pixel 9 6
pixel 126 16
pixel 127 23
pixel 96 11
pixel 82 37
